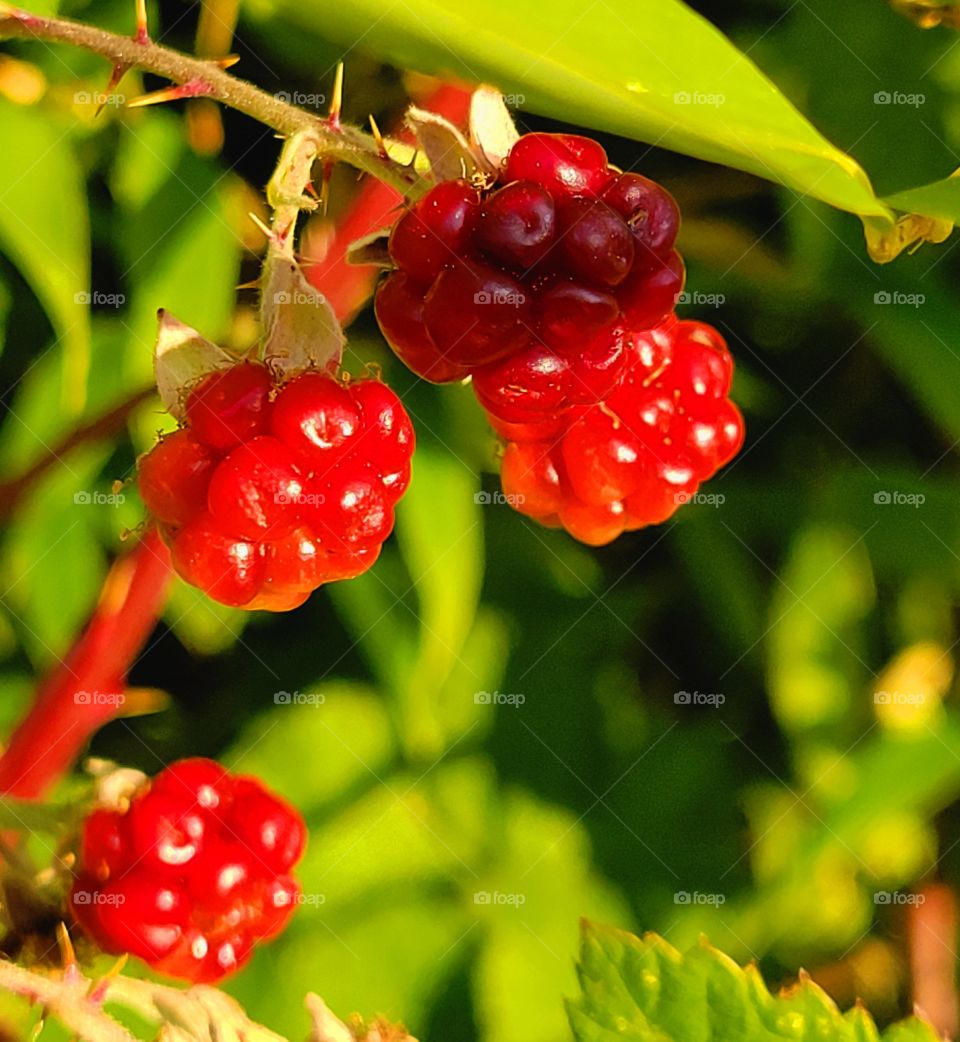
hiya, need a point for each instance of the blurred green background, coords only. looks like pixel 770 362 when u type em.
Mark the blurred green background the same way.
pixel 789 816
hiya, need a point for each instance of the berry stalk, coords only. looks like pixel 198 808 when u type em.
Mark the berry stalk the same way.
pixel 197 77
pixel 63 716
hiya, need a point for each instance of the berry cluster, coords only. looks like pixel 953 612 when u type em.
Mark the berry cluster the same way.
pixel 632 459
pixel 531 286
pixel 192 873
pixel 269 491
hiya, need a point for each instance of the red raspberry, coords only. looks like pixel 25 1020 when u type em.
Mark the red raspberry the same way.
pixel 316 418
pixel 633 458
pixel 565 164
pixel 228 568
pixel 174 476
pixel 650 212
pixel 552 257
pixel 435 233
pixel 205 876
pixel 517 224
pixel 229 406
pixel 399 309
pixel 256 490
pixel 593 241
pixel 306 499
pixel 476 314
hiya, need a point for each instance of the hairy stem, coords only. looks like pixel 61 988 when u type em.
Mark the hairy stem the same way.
pixel 335 140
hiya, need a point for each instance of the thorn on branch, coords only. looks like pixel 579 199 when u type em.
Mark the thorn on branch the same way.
pixel 191 89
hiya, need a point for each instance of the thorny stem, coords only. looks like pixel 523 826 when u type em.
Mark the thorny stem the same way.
pixel 336 141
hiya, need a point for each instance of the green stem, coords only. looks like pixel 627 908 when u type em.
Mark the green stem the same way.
pixel 335 140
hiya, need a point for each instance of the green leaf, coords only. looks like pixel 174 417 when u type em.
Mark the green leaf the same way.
pixel 644 990
pixel 44 229
pixel 651 70
pixel 941 199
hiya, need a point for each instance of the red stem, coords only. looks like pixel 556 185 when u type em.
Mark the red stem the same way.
pixel 81 694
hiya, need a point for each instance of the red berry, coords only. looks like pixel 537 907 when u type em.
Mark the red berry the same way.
pixel 317 419
pixel 436 232
pixel 104 850
pixel 650 211
pixel 230 406
pixel 388 438
pixel 572 313
pixel 648 297
pixel 227 568
pixel 517 224
pixel 593 525
pixel 256 491
pixel 399 306
pixel 526 387
pixel 141 913
pixel 562 163
pixel 476 314
pixel 593 241
pixel 530 479
pixel 269 829
pixel 353 511
pixel 173 478
pixel 209 875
